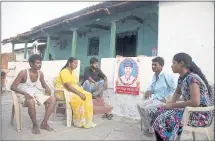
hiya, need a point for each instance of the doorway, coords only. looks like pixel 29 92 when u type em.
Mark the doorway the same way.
pixel 126 46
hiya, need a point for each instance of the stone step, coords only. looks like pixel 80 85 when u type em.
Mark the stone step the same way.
pixel 97 110
pixel 98 102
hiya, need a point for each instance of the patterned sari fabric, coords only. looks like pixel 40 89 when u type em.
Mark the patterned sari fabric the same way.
pixel 82 110
pixel 167 123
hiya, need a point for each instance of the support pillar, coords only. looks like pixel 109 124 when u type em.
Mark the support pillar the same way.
pixel 13 53
pixel 25 50
pixel 48 46
pixel 74 43
pixel 113 40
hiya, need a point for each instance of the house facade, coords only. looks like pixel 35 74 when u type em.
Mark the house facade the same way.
pixel 104 30
pixel 130 29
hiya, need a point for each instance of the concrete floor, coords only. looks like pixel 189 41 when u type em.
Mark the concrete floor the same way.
pixel 118 128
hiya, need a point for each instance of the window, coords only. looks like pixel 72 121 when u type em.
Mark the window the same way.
pixel 93 48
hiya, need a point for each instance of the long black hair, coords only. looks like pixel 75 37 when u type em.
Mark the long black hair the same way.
pixel 189 64
pixel 70 60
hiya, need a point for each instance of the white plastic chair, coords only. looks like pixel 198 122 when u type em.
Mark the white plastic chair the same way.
pixel 17 110
pixel 52 86
pixel 206 130
pixel 69 114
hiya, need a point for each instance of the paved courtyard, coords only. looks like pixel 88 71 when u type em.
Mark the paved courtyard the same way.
pixel 118 128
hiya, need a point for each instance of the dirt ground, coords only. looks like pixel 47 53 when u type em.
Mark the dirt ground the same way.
pixel 119 128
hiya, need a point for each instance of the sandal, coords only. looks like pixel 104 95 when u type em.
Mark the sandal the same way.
pixel 110 116
pixel 105 115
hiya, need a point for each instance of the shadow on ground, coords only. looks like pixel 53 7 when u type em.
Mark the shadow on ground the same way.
pixel 118 128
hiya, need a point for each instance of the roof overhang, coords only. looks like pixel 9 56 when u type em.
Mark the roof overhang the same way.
pixel 38 33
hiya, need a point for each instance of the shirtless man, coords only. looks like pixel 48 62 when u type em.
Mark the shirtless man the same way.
pixel 26 84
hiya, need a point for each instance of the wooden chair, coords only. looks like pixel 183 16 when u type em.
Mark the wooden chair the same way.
pixel 206 130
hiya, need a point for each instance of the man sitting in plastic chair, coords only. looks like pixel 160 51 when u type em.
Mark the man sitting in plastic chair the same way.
pixel 28 92
pixel 163 85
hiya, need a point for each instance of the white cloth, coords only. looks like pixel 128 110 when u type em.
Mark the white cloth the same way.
pixel 129 80
pixel 144 108
pixel 33 89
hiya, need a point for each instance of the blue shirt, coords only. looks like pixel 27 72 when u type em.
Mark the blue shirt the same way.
pixel 163 87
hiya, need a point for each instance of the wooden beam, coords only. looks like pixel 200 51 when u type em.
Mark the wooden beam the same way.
pixel 42 40
pixel 113 40
pixel 74 43
pixel 98 26
pixel 66 32
pixel 55 38
pixel 51 38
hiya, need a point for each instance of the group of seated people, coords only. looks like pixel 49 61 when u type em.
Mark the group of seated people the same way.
pixel 163 119
pixel 26 85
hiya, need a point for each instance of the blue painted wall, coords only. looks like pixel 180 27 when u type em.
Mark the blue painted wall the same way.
pixel 146 38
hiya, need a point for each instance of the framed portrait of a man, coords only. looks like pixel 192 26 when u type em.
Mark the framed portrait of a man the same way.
pixel 127 75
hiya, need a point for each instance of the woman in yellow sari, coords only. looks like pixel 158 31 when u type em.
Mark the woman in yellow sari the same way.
pixel 81 100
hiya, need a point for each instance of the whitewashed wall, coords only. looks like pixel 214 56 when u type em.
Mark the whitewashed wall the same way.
pixel 183 27
pixel 124 104
pixel 19 56
pixel 187 27
pixel 50 70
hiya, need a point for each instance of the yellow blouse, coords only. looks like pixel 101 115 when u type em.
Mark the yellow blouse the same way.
pixel 65 76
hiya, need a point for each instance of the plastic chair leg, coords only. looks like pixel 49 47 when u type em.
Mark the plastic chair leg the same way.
pixel 69 117
pixel 17 115
pixel 55 111
pixel 12 115
pixel 194 136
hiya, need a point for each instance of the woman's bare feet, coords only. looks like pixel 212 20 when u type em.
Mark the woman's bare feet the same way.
pixel 45 126
pixel 35 129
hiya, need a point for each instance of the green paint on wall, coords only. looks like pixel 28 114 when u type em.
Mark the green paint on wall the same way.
pixel 146 40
